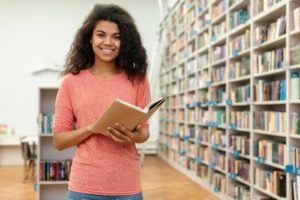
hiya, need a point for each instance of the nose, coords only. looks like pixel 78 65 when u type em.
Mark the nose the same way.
pixel 108 40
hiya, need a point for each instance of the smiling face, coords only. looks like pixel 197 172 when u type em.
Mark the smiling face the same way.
pixel 106 41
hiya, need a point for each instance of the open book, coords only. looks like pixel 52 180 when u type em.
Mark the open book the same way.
pixel 125 114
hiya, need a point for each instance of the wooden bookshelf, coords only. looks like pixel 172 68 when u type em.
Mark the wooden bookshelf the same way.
pixel 228 69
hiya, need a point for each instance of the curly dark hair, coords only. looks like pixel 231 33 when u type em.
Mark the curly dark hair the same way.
pixel 132 57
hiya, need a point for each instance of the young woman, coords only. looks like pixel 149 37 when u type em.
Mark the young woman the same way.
pixel 107 61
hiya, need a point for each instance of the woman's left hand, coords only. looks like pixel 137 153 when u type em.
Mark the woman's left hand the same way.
pixel 120 134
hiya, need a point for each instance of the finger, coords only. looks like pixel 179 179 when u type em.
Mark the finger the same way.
pixel 118 134
pixel 114 137
pixel 124 130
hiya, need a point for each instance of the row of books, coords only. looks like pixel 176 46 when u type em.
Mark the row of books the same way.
pixel 219 9
pixel 218 137
pixel 203 116
pixel 237 191
pixel 295 157
pixel 192 116
pixel 204 21
pixel 271 31
pixel 271 121
pixel 203 40
pixel 240 93
pixel 205 78
pixel 202 4
pixel 218 181
pixel 239 17
pixel 239 119
pixel 295 123
pixel 202 172
pixel 218 30
pixel 219 53
pixel 295 162
pixel 191 165
pixel 264 5
pixel 266 90
pixel 218 74
pixel 295 54
pixel 271 181
pixel 55 170
pixel 296 18
pixel 191 150
pixel 203 153
pixel 240 43
pixel 218 159
pixel 45 123
pixel 202 135
pixel 218 95
pixel 239 144
pixel 191 47
pixel 239 168
pixel 218 117
pixel 270 151
pixel 203 60
pixel 269 61
pixel 239 68
pixel 191 83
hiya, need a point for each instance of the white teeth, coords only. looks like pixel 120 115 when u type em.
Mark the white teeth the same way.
pixel 107 51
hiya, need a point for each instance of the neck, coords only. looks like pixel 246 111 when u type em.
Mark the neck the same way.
pixel 104 68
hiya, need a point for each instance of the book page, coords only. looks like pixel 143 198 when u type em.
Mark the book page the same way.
pixel 154 104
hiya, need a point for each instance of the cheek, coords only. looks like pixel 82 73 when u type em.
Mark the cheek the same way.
pixel 118 44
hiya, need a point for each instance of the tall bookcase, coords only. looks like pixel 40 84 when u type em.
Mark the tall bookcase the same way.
pixel 230 70
pixel 53 165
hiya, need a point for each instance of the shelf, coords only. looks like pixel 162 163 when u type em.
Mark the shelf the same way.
pixel 218 41
pixel 219 18
pixel 272 13
pixel 295 101
pixel 205 28
pixel 203 49
pixel 218 83
pixel 295 33
pixel 297 66
pixel 240 54
pixel 238 5
pixel 219 170
pixel 239 179
pixel 268 193
pixel 270 164
pixel 295 136
pixel 270 73
pixel 278 42
pixel 46 135
pixel 53 182
pixel 219 62
pixel 243 78
pixel 239 29
pixel 205 10
pixel 240 156
pixel 257 103
pixel 269 133
pixel 241 104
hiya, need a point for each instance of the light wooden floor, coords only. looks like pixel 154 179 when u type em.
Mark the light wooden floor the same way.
pixel 159 180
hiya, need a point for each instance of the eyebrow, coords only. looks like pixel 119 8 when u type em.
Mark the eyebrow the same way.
pixel 100 31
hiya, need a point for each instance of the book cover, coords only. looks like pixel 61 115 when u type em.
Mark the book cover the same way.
pixel 125 114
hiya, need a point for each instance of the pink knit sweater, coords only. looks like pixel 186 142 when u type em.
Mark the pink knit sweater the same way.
pixel 100 165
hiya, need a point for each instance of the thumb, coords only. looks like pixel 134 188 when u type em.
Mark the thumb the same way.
pixel 139 127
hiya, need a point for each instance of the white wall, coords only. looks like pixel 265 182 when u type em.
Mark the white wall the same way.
pixel 36 34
